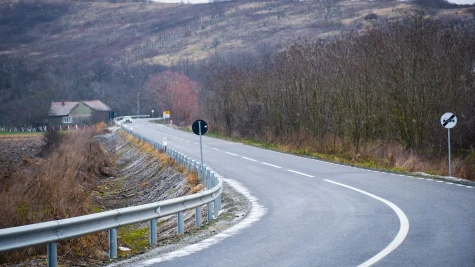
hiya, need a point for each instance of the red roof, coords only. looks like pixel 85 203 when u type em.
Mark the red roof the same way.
pixel 63 108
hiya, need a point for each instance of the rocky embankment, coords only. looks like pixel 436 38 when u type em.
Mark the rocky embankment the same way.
pixel 139 178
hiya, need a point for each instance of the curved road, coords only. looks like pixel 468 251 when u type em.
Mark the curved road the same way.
pixel 324 214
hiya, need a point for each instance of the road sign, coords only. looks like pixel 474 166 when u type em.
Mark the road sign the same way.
pixel 166 114
pixel 199 127
pixel 448 120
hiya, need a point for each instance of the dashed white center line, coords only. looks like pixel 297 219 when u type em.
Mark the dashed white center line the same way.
pixel 232 154
pixel 249 159
pixel 301 173
pixel 215 149
pixel 272 165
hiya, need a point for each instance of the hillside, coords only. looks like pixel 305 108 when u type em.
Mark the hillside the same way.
pixel 68 50
pixel 344 77
pixel 81 32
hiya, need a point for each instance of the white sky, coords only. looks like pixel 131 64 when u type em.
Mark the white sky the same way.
pixel 462 2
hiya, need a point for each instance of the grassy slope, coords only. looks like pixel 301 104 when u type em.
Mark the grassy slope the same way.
pixel 155 33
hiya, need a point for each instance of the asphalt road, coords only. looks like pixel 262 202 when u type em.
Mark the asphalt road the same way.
pixel 323 214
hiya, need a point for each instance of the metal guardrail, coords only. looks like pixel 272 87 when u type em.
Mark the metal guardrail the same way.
pixel 117 119
pixel 53 231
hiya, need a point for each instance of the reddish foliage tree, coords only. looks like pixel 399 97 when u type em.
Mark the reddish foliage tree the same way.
pixel 176 92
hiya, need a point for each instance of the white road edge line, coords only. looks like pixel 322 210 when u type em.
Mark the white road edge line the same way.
pixel 255 214
pixel 232 154
pixel 272 165
pixel 403 229
pixel 301 173
pixel 249 159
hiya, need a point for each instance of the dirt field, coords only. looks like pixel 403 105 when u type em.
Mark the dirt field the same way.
pixel 15 147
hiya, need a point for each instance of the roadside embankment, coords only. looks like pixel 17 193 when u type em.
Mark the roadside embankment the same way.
pixel 85 173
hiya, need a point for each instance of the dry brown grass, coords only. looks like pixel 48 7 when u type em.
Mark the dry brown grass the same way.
pixel 100 127
pixel 55 187
pixel 191 177
pixel 193 181
pixel 391 156
pixel 162 158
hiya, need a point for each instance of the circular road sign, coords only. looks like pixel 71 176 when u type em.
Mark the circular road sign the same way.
pixel 448 120
pixel 196 127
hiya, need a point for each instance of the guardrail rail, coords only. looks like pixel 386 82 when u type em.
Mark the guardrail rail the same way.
pixel 53 231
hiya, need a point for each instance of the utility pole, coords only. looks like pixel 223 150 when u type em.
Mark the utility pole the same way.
pixel 138 103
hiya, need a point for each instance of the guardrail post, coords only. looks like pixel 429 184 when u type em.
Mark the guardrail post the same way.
pixel 219 202
pixel 112 243
pixel 209 212
pixel 153 231
pixel 208 174
pixel 181 223
pixel 198 216
pixel 52 252
pixel 210 181
pixel 216 206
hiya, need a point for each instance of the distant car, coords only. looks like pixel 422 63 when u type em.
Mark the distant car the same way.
pixel 127 119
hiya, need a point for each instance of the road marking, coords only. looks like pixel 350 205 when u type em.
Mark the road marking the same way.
pixel 449 183
pixel 459 184
pixel 255 214
pixel 216 149
pixel 232 154
pixel 301 173
pixel 272 165
pixel 403 229
pixel 467 186
pixel 439 181
pixel 249 159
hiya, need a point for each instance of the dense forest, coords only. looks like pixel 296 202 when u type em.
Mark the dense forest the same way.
pixel 389 84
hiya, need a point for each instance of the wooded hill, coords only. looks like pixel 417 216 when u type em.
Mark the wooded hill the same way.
pixel 332 76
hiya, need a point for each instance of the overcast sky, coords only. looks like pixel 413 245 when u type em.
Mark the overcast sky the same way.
pixel 184 1
pixel 462 2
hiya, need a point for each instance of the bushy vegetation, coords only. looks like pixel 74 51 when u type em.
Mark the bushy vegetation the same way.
pixel 55 187
pixel 377 95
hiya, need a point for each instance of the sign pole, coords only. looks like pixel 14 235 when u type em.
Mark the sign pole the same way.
pixel 449 120
pixel 201 153
pixel 450 165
